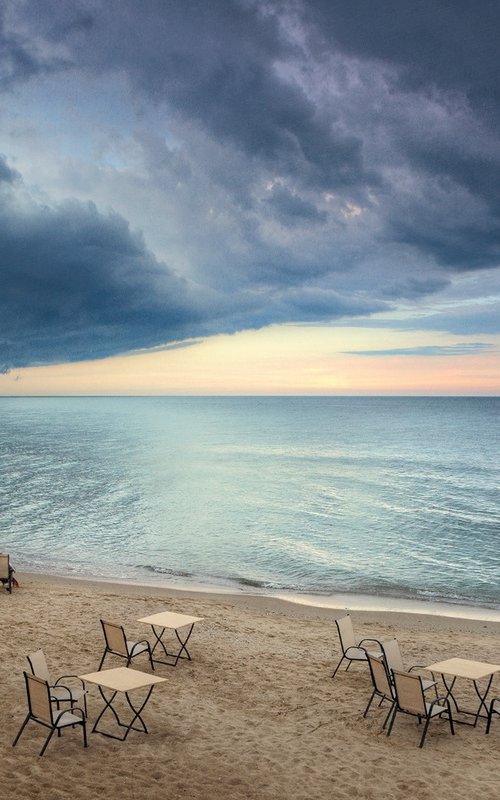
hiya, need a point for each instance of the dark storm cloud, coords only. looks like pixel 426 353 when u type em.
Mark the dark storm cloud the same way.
pixel 331 157
pixel 213 63
pixel 442 51
pixel 216 64
pixel 451 45
pixel 77 284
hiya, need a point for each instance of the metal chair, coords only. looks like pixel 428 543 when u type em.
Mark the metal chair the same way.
pixel 6 572
pixel 492 710
pixel 410 699
pixel 41 711
pixel 118 645
pixel 382 685
pixel 59 692
pixel 352 650
pixel 394 661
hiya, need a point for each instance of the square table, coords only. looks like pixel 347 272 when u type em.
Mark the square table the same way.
pixel 471 670
pixel 124 680
pixel 172 621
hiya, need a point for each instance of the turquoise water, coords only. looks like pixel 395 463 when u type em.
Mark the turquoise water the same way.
pixel 394 497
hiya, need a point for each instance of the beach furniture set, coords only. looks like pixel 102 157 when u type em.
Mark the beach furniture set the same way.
pixel 408 693
pixel 48 700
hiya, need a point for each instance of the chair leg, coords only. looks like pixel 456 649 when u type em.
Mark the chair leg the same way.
pixel 84 726
pixel 424 732
pixel 386 720
pixel 337 667
pixel 21 730
pixel 47 740
pixel 369 703
pixel 391 723
pixel 102 660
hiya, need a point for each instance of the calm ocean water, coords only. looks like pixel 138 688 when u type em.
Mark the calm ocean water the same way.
pixel 395 497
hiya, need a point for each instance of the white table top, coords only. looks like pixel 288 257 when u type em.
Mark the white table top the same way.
pixel 169 619
pixel 464 668
pixel 121 679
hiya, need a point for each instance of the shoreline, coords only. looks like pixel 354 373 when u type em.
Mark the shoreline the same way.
pixel 366 608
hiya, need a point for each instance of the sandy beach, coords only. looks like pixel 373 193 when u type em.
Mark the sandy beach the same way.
pixel 255 714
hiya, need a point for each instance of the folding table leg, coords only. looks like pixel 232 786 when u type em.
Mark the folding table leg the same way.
pixel 175 656
pixel 108 704
pixel 183 644
pixel 482 699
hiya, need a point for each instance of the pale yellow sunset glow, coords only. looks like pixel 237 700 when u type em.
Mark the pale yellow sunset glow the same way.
pixel 277 360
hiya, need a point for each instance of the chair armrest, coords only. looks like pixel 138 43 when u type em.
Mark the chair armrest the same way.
pixel 422 666
pixel 61 686
pixel 141 641
pixel 440 700
pixel 377 641
pixel 62 677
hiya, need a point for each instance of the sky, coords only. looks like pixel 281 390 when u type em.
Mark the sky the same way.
pixel 249 197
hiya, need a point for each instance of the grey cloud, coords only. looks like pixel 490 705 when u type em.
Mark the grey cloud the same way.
pixel 462 349
pixel 7 174
pixel 433 43
pixel 483 319
pixel 20 59
pixel 413 286
pixel 290 207
pixel 308 304
pixel 214 64
pixel 220 73
pixel 444 58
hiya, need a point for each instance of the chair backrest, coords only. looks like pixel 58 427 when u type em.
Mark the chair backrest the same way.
pixel 346 632
pixel 39 698
pixel 380 676
pixel 409 692
pixel 4 566
pixel 392 655
pixel 38 665
pixel 115 638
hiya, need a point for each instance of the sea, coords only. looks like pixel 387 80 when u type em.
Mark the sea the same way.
pixel 392 499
